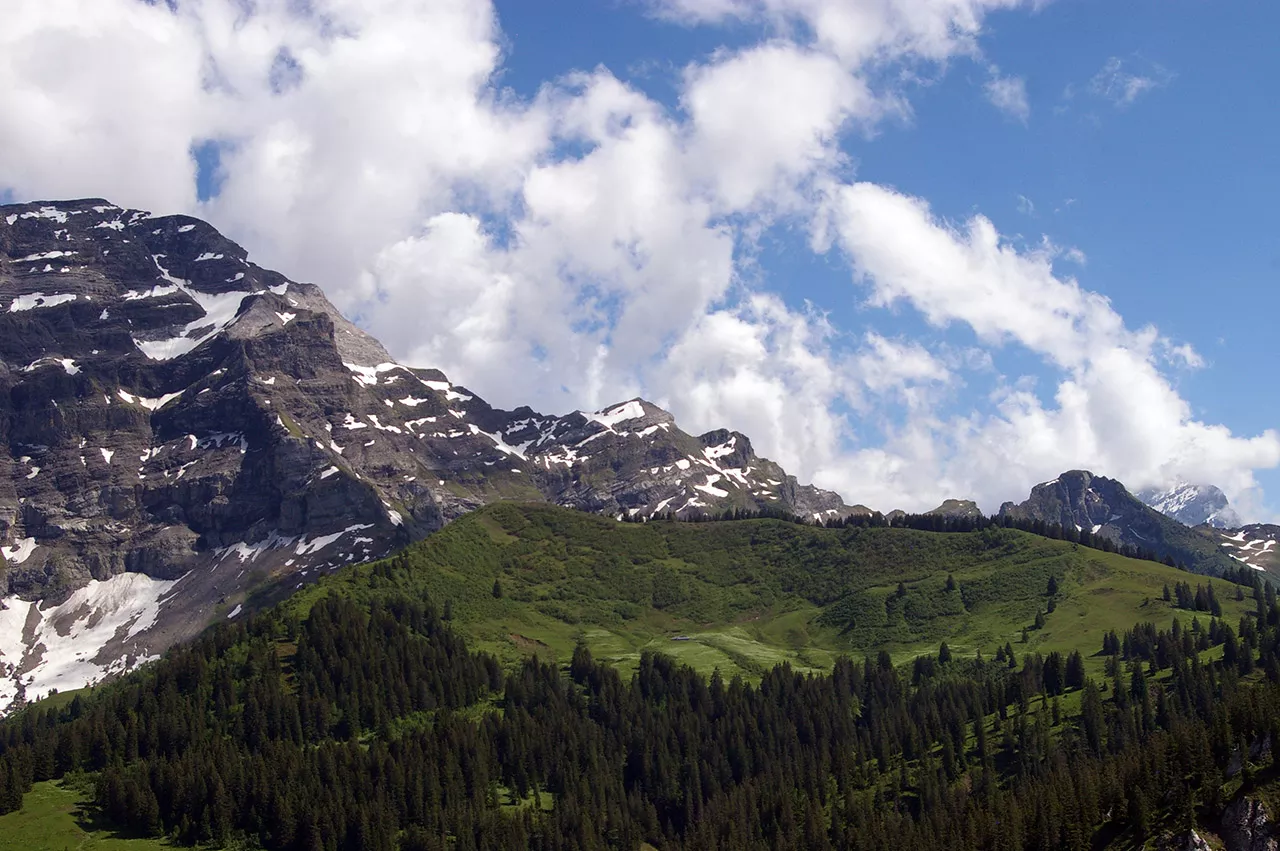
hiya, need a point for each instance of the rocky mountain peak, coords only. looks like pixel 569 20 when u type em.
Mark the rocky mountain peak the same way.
pixel 732 447
pixel 1088 503
pixel 1193 505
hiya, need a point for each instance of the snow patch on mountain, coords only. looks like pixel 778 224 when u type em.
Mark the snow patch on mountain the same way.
pixel 620 414
pixel 65 640
pixel 220 310
pixel 35 300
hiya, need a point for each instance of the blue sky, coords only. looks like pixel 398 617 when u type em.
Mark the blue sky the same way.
pixel 912 248
pixel 1171 197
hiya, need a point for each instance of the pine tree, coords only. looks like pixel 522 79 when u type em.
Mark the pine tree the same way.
pixel 1074 676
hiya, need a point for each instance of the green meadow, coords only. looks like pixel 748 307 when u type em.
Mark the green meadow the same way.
pixel 743 596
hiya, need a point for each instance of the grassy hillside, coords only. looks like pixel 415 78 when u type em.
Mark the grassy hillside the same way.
pixel 54 816
pixel 745 595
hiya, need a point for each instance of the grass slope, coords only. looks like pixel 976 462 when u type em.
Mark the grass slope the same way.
pixel 53 817
pixel 743 596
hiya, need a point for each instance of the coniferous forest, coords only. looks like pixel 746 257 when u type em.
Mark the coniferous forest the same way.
pixel 375 727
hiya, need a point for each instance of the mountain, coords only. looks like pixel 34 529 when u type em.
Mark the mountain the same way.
pixel 1206 507
pixel 1100 506
pixel 189 434
pixel 1254 546
pixel 1193 505
pixel 958 508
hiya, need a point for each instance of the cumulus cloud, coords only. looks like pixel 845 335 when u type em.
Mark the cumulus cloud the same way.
pixel 589 243
pixel 968 273
pixel 791 102
pixel 81 115
pixel 1113 409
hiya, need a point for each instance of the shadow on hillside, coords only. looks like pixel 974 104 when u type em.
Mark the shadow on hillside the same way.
pixel 91 820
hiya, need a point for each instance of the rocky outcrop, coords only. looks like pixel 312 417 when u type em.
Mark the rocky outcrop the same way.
pixel 958 508
pixel 1247 826
pixel 1193 841
pixel 188 433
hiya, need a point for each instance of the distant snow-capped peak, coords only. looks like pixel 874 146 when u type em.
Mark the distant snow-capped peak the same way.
pixel 1193 505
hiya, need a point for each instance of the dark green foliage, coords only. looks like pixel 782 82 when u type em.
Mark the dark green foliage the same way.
pixel 381 730
pixel 1201 600
pixel 1074 674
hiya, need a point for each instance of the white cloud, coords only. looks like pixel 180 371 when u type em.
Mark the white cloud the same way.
pixel 588 244
pixel 1075 255
pixel 1122 87
pixel 765 367
pixel 859 31
pixel 969 274
pixel 1009 95
pixel 886 365
pixel 1185 354
pixel 794 102
pixel 81 115
pixel 1112 410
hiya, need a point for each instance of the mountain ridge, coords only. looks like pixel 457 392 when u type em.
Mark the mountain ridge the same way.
pixel 1097 505
pixel 210 430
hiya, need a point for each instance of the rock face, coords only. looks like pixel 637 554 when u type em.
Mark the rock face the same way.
pixel 1191 841
pixel 1193 505
pixel 185 430
pixel 1247 826
pixel 1104 507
